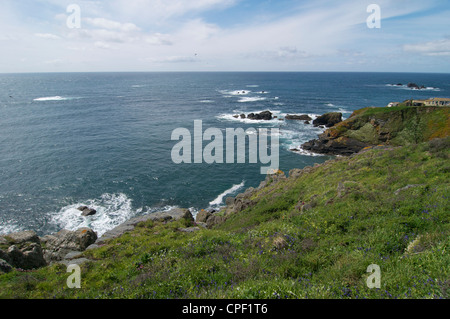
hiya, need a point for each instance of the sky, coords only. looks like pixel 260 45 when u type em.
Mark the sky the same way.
pixel 224 35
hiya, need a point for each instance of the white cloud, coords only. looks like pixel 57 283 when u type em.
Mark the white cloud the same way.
pixel 103 23
pixel 152 34
pixel 432 48
pixel 47 36
pixel 174 59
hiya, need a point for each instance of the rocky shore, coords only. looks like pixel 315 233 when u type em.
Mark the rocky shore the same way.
pixel 25 250
pixel 326 120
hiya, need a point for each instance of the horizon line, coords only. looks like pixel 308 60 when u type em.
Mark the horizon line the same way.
pixel 168 71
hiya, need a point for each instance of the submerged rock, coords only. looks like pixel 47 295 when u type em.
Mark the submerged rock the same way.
pixel 86 211
pixel 298 117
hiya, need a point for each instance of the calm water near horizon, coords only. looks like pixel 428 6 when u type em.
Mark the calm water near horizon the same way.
pixel 104 139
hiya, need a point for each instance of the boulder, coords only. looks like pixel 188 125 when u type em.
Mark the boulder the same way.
pixel 266 116
pixel 58 245
pixel 202 216
pixel 215 220
pixel 413 86
pixel 329 146
pixel 298 117
pixel 88 212
pixel 22 237
pixel 4 266
pixel 243 116
pixel 28 256
pixel 22 250
pixel 328 119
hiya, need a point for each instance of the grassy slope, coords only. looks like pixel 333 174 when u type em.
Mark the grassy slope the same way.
pixel 404 124
pixel 272 250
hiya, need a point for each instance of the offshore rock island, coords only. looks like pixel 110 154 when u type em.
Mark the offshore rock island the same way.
pixel 311 233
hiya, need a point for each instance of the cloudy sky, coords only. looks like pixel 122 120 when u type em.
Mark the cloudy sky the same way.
pixel 223 35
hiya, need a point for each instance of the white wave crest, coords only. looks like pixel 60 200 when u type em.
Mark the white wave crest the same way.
pixel 112 210
pixel 235 92
pixel 9 227
pixel 51 98
pixel 219 199
pixel 251 99
pixel 405 87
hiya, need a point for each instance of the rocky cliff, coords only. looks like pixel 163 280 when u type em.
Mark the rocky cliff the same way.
pixel 382 126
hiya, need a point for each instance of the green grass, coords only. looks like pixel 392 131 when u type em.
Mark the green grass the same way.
pixel 272 250
pixel 405 124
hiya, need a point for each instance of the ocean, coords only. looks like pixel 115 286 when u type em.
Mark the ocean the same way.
pixel 104 139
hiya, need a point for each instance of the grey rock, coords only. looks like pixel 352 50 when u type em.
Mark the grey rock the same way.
pixel 57 246
pixel 78 261
pixel 4 266
pixel 93 246
pixel 73 255
pixel 23 250
pixel 266 115
pixel 328 119
pixel 88 212
pixel 200 224
pixel 4 255
pixel 215 220
pixel 202 216
pixel 22 237
pixel 28 256
pixel 229 201
pixel 398 191
pixel 298 117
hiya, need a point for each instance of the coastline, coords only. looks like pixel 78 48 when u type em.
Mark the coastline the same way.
pixel 64 246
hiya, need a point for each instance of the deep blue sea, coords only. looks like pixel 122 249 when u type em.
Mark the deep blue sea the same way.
pixel 104 139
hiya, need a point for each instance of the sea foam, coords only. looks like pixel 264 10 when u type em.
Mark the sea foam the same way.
pixel 112 211
pixel 52 98
pixel 219 199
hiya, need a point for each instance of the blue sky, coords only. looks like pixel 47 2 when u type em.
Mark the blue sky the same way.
pixel 224 35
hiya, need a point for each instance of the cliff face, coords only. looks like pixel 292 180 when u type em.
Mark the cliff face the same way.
pixel 387 126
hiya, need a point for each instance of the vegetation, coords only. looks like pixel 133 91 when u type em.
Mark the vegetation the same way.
pixel 400 125
pixel 386 206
